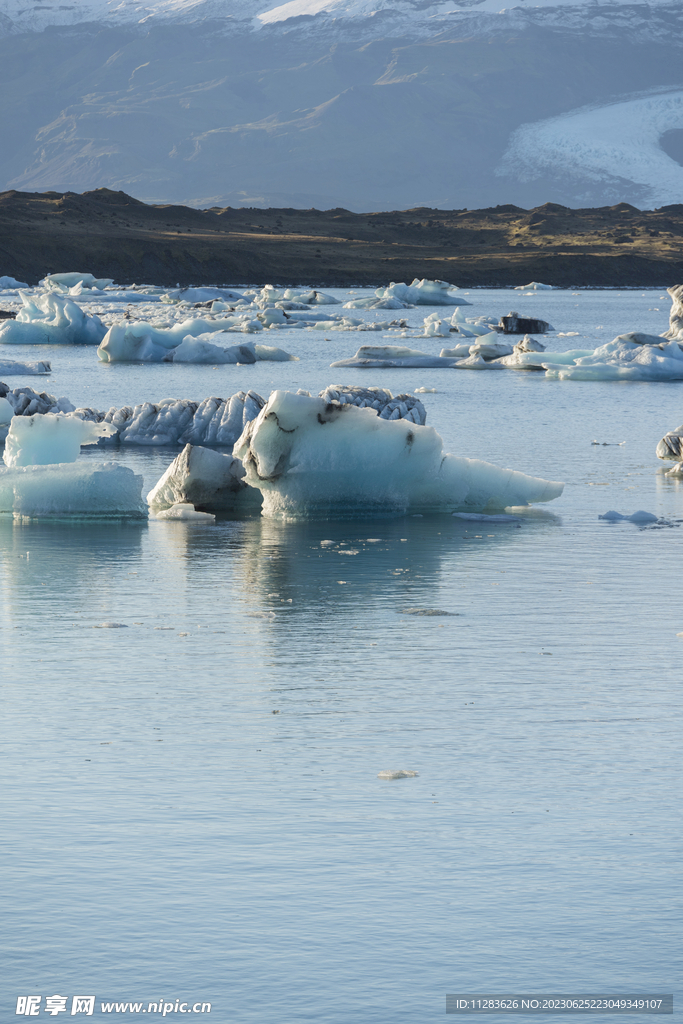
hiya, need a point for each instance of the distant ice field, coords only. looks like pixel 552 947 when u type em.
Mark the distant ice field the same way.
pixel 167 835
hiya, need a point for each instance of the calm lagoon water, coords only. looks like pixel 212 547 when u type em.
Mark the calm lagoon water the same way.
pixel 191 807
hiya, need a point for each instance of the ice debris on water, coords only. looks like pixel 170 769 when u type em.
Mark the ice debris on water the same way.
pixel 637 517
pixel 481 517
pixel 426 611
pixel 186 512
pixel 402 773
pixel 111 625
pixel 311 457
pixel 423 293
pixel 11 368
pixel 425 391
pixel 391 356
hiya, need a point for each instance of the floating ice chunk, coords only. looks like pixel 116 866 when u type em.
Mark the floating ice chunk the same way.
pixel 43 440
pixel 429 612
pixel 675 332
pixel 75 488
pixel 51 319
pixel 513 323
pixel 402 773
pixel 203 295
pixel 459 352
pixel 490 346
pixel 110 625
pixel 535 286
pixel 477 362
pixel 10 368
pixel 524 355
pixel 205 479
pixel 620 360
pixel 309 457
pixel 269 353
pixel 390 356
pixel 637 517
pixel 6 412
pixel 312 298
pixel 638 338
pixel 379 399
pixel 436 328
pixel 141 342
pixel 671 446
pixel 196 350
pixel 371 302
pixel 426 391
pixel 479 517
pixel 63 282
pixel 185 512
pixel 10 283
pixel 423 293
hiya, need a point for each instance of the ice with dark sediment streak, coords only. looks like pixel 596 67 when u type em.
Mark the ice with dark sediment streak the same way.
pixel 51 319
pixel 675 332
pixel 315 458
pixel 205 479
pixel 42 476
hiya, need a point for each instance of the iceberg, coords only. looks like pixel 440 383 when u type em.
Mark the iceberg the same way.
pixel 637 517
pixel 675 332
pixel 619 360
pixel 73 488
pixel 42 476
pixel 422 293
pixel 513 323
pixel 227 295
pixel 47 438
pixel 670 448
pixel 10 368
pixel 205 479
pixel 11 284
pixel 64 282
pixel 380 399
pixel 192 341
pixel 314 458
pixel 535 286
pixel 185 512
pixel 51 319
pixel 392 356
pixel 374 303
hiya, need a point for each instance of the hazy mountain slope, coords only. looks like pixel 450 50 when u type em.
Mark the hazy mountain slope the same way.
pixel 409 106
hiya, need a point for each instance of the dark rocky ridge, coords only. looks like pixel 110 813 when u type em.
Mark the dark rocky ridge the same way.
pixel 111 234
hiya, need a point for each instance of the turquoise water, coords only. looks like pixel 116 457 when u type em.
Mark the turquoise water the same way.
pixel 192 809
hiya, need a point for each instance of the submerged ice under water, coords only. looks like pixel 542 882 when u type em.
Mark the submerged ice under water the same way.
pixel 169 836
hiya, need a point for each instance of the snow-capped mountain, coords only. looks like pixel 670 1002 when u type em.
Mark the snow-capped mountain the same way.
pixel 368 104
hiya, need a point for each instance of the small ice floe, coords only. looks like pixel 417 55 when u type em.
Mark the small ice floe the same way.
pixel 637 517
pixel 568 334
pixel 391 356
pixel 424 391
pixel 326 543
pixel 401 773
pixel 10 368
pixel 423 293
pixel 185 512
pixel 480 517
pixel 535 286
pixel 348 551
pixel 426 611
pixel 670 448
pixel 111 625
pixel 51 319
pixel 10 283
pixel 610 444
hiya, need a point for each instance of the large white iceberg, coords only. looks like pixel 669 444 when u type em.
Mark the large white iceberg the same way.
pixel 51 319
pixel 11 283
pixel 392 356
pixel 311 457
pixel 206 479
pixel 423 293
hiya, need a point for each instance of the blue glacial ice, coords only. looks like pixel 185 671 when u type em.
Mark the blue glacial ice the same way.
pixel 51 319
pixel 310 457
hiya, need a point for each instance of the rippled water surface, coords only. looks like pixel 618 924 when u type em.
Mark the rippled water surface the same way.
pixel 192 809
